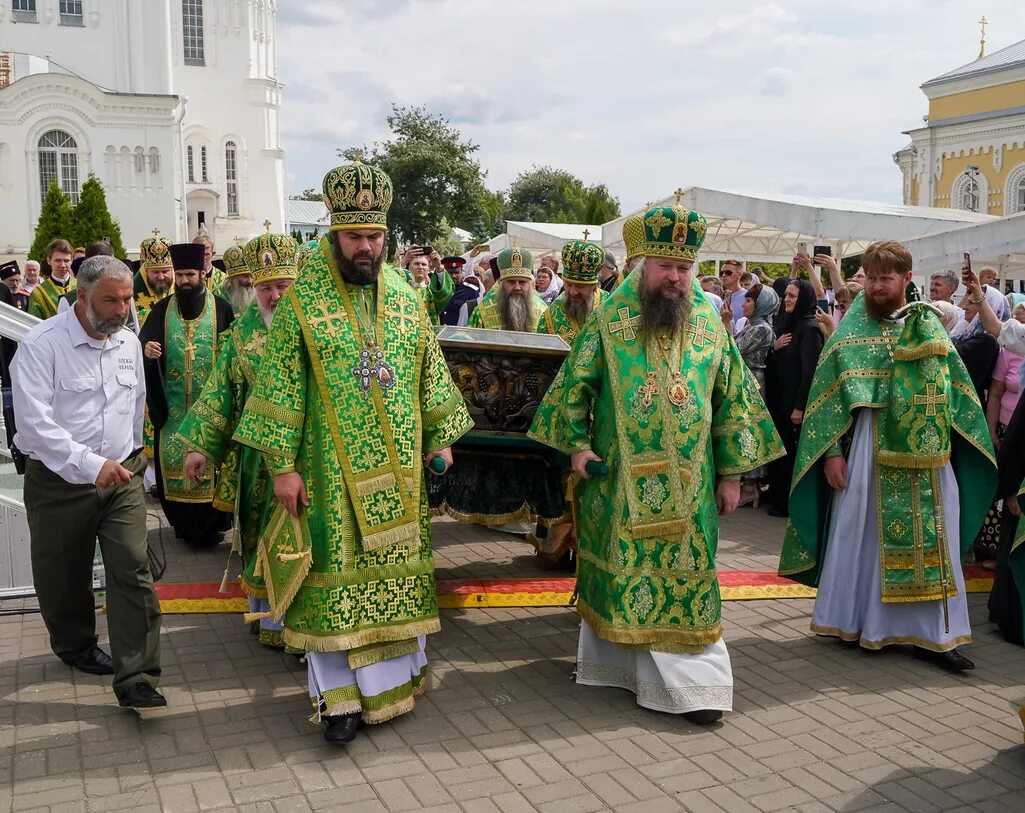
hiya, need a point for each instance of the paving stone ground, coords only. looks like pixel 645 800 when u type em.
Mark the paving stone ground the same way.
pixel 816 726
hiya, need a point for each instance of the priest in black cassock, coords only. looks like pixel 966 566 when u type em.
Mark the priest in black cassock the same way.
pixel 180 342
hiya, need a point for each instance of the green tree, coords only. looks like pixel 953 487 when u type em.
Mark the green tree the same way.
pixel 92 220
pixel 56 219
pixel 436 178
pixel 548 195
pixel 308 194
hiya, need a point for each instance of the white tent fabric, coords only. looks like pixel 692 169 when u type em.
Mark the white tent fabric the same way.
pixel 767 229
pixel 542 237
pixel 1000 243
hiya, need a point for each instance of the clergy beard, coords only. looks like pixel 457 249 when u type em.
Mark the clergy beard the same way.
pixel 665 309
pixel 362 269
pixel 579 309
pixel 515 310
pixel 267 314
pixel 238 296
pixel 880 308
pixel 159 287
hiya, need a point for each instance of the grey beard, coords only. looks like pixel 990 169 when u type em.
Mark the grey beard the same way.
pixel 662 314
pixel 108 327
pixel 515 310
pixel 238 297
pixel 267 314
pixel 579 309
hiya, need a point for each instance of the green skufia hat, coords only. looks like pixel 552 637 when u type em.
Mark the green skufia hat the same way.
pixel 302 254
pixel 271 257
pixel 516 263
pixel 672 231
pixel 155 251
pixel 358 196
pixel 581 262
pixel 235 261
pixel 633 235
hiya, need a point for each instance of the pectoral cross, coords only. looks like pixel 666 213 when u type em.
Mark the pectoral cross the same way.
pixel 625 324
pixel 700 333
pixel 648 390
pixel 930 400
pixel 190 352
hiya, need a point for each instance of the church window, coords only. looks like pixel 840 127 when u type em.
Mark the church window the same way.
pixel 192 31
pixel 58 161
pixel 1020 202
pixel 190 164
pixel 1014 191
pixel 140 160
pixel 202 165
pixel 231 177
pixel 71 12
pixel 967 192
pixel 154 161
pixel 24 11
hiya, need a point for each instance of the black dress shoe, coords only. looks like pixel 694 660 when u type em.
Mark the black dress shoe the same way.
pixel 141 696
pixel 951 660
pixel 342 728
pixel 703 716
pixel 93 662
pixel 779 512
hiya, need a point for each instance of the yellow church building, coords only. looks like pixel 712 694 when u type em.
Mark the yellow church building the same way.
pixel 970 153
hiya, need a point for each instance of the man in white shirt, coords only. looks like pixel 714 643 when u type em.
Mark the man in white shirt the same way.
pixel 79 395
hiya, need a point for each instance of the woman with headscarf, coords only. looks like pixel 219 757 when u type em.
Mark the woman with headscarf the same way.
pixel 779 286
pixel 796 355
pixel 754 341
pixel 984 308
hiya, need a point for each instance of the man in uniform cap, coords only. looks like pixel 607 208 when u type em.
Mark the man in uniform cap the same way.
pixel 353 400
pixel 514 304
pixel 180 343
pixel 656 389
pixel 244 486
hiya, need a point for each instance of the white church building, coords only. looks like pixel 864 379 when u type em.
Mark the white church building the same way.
pixel 173 104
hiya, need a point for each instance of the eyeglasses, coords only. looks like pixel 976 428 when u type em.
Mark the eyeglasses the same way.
pixel 726 273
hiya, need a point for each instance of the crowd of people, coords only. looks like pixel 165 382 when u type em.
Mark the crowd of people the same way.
pixel 298 395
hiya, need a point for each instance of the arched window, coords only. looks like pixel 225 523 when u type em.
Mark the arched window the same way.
pixel 190 164
pixel 58 161
pixel 969 191
pixel 231 177
pixel 1019 204
pixel 969 197
pixel 1014 192
pixel 202 165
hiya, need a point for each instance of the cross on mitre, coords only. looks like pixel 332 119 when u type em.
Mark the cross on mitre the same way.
pixel 267 224
pixel 679 194
pixel 586 235
pixel 156 232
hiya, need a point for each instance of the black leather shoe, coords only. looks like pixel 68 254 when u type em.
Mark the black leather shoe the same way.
pixel 342 728
pixel 703 716
pixel 779 512
pixel 951 660
pixel 93 662
pixel 141 696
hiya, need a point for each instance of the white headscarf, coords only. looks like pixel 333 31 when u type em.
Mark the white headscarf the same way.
pixel 996 302
pixel 554 287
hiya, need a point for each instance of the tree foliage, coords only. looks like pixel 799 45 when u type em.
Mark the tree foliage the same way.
pixel 548 195
pixel 55 220
pixel 92 220
pixel 308 194
pixel 437 180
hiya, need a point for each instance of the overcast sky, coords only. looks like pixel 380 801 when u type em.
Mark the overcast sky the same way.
pixel 796 96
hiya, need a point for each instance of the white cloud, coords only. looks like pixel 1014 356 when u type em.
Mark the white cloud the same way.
pixel 793 95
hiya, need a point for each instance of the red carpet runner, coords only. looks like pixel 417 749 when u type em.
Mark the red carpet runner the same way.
pixel 736 585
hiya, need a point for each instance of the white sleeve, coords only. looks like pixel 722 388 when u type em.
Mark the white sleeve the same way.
pixel 39 435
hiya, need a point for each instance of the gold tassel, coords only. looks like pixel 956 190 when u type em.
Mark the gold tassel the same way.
pixel 224 582
pixel 249 618
pixel 291 557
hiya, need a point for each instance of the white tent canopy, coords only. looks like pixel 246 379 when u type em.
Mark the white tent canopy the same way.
pixel 767 229
pixel 541 237
pixel 999 242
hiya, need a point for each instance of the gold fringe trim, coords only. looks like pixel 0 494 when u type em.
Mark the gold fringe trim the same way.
pixel 353 640
pixel 375 653
pixel 252 590
pixel 364 488
pixel 932 646
pixel 656 639
pixel 521 514
pixel 910 460
pixel 647 469
pixel 936 348
pixel 279 604
pixel 403 706
pixel 670 527
pixel 407 534
pixel 933 595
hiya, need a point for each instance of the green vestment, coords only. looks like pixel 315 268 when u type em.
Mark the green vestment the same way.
pixel 43 300
pixel 353 403
pixel 190 347
pixel 216 279
pixel 486 314
pixel 925 414
pixel 666 423
pixel 556 322
pixel 435 294
pixel 243 484
pixel 145 297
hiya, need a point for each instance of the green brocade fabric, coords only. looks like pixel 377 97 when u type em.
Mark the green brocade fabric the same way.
pixel 191 346
pixel 648 531
pixel 243 483
pixel 486 314
pixel 925 413
pixel 337 574
pixel 556 322
pixel 43 300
